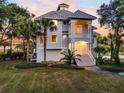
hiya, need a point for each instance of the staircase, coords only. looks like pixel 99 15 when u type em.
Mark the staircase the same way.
pixel 86 60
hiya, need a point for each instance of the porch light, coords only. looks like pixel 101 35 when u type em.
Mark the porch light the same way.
pixel 64 36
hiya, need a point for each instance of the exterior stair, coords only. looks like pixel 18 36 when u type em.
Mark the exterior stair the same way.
pixel 86 61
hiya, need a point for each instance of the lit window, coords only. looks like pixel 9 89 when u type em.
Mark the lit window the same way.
pixel 54 39
pixel 55 22
pixel 78 29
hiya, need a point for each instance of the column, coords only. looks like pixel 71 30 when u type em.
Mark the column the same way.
pixel 89 28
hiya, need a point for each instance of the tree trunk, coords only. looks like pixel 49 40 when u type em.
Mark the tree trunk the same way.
pixel 116 51
pixel 4 48
pixel 111 50
pixel 27 50
pixel 45 44
pixel 24 50
pixel 11 46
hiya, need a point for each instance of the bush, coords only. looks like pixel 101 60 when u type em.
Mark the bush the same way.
pixel 30 65
pixel 12 56
pixel 103 62
pixel 67 66
pixel 3 56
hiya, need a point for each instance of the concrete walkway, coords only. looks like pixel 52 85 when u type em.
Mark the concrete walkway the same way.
pixel 98 70
pixel 120 56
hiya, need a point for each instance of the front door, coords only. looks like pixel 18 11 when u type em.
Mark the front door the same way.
pixel 81 47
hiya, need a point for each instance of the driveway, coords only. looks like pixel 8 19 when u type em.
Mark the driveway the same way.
pixel 108 57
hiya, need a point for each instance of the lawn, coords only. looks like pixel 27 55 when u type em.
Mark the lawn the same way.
pixel 56 80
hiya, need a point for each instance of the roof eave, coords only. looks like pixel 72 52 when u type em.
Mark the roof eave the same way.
pixel 82 18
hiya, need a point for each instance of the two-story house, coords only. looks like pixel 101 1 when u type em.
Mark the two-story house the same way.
pixel 74 31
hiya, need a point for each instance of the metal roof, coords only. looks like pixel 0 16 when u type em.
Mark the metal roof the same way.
pixel 65 15
pixel 82 15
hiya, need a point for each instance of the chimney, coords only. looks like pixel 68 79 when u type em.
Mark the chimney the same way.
pixel 63 6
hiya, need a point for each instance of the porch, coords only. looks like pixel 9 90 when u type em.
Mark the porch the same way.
pixel 84 49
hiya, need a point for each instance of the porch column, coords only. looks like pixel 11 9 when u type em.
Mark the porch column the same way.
pixel 72 46
pixel 89 28
pixel 71 34
pixel 90 34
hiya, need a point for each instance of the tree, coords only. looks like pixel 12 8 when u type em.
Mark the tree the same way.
pixel 14 14
pixel 70 57
pixel 111 16
pixel 27 30
pixel 45 25
pixel 100 52
pixel 2 5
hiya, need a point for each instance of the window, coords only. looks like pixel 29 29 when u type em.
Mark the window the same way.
pixel 78 29
pixel 54 39
pixel 55 22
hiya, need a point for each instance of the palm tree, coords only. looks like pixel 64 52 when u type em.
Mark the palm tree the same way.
pixel 70 57
pixel 45 25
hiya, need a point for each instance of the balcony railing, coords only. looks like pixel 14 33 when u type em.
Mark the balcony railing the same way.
pixel 79 36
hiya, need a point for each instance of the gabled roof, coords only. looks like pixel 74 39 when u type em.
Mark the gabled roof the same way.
pixel 52 15
pixel 82 15
pixel 65 15
pixel 61 14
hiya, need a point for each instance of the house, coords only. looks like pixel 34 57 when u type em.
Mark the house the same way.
pixel 74 31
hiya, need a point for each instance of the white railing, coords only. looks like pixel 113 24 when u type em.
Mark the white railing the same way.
pixel 92 57
pixel 87 36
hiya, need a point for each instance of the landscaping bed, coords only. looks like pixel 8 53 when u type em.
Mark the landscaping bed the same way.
pixel 27 66
pixel 48 64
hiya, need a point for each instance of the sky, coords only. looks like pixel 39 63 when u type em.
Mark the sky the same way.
pixel 39 7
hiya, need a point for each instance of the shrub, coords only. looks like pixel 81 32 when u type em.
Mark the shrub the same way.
pixel 2 57
pixel 12 56
pixel 70 57
pixel 67 66
pixel 103 61
pixel 30 65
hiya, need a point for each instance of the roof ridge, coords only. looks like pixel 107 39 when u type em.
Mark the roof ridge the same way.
pixel 59 14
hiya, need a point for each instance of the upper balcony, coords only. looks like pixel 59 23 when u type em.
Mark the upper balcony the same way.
pixel 80 30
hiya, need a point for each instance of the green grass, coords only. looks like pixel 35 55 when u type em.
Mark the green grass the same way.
pixel 56 80
pixel 121 53
pixel 122 60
